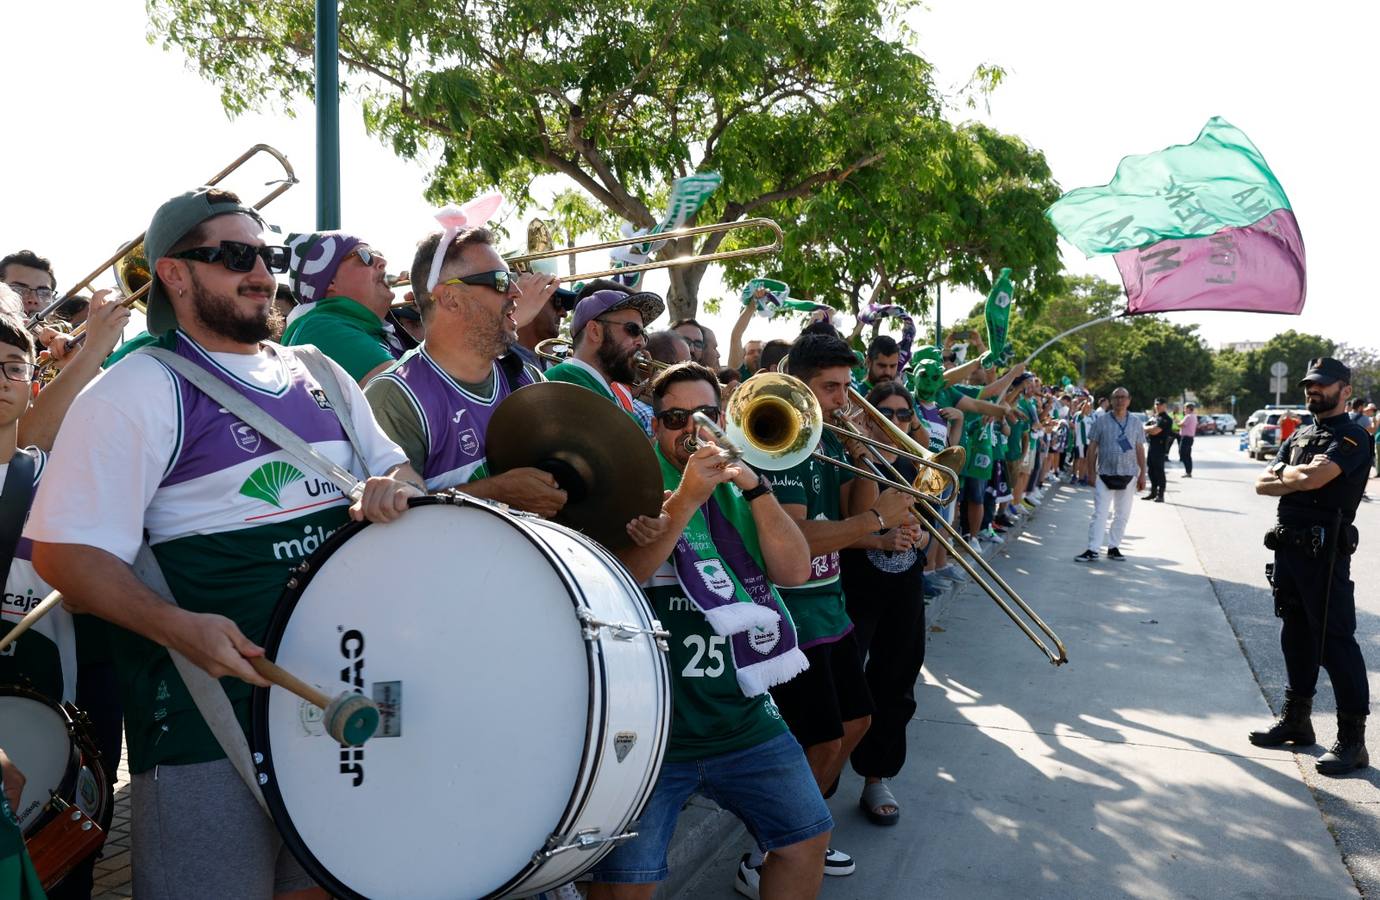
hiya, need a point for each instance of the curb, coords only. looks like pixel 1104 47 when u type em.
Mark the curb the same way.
pixel 705 832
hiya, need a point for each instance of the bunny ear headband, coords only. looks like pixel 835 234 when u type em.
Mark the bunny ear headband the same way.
pixel 454 219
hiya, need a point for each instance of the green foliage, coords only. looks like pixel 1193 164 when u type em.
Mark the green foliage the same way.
pixel 952 205
pixel 782 99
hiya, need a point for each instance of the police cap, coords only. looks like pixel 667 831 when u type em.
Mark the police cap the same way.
pixel 1326 370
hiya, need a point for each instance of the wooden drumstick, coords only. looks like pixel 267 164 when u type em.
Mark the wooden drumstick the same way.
pixel 350 718
pixel 45 606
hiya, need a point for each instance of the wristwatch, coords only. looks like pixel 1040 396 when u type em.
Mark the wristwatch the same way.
pixel 753 493
pixel 1278 469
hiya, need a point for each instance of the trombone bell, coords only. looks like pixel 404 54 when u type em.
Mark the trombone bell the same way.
pixel 775 419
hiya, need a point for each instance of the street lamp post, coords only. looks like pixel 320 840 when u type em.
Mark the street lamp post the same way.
pixel 327 115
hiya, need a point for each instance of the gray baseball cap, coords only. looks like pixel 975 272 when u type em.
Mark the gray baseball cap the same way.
pixel 173 220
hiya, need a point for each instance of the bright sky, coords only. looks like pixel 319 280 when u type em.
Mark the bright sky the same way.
pixel 1088 82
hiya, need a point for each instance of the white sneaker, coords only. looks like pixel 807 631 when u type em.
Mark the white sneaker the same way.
pixel 748 879
pixel 992 536
pixel 836 862
pixel 977 547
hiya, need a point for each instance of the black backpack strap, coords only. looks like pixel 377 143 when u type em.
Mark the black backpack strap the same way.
pixel 18 493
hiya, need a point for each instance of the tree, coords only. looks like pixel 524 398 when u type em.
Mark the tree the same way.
pixel 1294 349
pixel 782 99
pixel 952 205
pixel 1162 360
pixel 1365 369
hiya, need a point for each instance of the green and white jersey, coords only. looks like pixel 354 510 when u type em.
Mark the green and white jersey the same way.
pixel 710 714
pixel 44 657
pixel 817 607
pixel 226 512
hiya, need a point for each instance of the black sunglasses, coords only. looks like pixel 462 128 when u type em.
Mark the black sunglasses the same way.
pixel 632 330
pixel 897 415
pixel 238 256
pixel 500 280
pixel 366 254
pixel 675 419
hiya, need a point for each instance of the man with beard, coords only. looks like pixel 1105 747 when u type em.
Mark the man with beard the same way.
pixel 883 361
pixel 609 326
pixel 437 401
pixel 1319 475
pixel 223 510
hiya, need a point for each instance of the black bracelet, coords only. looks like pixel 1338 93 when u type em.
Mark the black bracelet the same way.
pixel 759 490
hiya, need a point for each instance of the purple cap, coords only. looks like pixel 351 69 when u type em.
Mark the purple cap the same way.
pixel 314 259
pixel 600 302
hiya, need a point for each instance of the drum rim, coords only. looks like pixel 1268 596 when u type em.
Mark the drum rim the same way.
pixel 297 583
pixel 81 753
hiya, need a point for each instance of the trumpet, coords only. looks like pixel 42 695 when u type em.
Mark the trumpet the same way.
pixel 776 421
pixel 524 261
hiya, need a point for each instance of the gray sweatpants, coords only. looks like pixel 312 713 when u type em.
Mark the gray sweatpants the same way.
pixel 196 831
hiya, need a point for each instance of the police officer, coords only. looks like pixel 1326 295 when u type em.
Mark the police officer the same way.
pixel 1159 433
pixel 1319 475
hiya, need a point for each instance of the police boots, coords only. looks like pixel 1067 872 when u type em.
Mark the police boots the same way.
pixel 1294 726
pixel 1349 753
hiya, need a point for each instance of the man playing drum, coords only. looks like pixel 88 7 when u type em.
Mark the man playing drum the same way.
pixel 437 401
pixel 709 579
pixel 227 514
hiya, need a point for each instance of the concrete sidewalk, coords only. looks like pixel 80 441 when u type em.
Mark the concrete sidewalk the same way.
pixel 1124 774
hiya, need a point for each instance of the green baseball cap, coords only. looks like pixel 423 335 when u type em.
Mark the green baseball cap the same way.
pixel 171 223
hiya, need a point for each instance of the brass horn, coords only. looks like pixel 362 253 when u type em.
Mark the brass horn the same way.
pixel 132 270
pixel 525 260
pixel 774 422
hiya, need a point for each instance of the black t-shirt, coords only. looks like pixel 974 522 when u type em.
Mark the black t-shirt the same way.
pixel 1159 443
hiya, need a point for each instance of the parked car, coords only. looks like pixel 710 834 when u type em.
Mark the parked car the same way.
pixel 1206 425
pixel 1262 435
pixel 1226 423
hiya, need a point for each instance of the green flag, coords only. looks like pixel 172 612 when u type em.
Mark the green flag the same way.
pixel 997 312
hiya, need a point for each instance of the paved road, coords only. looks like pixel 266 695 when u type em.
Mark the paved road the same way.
pixel 1126 773
pixel 1226 520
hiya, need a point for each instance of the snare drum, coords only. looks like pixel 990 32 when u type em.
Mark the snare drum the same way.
pixel 66 805
pixel 524 696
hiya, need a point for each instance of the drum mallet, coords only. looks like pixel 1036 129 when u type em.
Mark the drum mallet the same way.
pixel 350 718
pixel 45 606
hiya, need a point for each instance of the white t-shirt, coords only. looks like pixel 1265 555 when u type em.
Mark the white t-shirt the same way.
pixel 118 440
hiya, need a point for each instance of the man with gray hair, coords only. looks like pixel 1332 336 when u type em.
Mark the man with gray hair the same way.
pixel 1116 456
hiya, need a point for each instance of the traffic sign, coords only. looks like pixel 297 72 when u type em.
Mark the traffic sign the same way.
pixel 1279 369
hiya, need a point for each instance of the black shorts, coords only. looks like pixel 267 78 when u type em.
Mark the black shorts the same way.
pixel 817 702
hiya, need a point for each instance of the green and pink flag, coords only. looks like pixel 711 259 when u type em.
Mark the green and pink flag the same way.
pixel 1204 225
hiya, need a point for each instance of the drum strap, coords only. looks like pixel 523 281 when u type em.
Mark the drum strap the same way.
pixel 271 428
pixel 206 691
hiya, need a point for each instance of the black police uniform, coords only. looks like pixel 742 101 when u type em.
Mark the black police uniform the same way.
pixel 1310 529
pixel 1159 452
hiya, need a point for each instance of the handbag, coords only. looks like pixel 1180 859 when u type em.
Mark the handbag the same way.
pixel 1115 482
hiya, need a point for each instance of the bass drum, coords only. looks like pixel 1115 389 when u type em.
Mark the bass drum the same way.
pixel 524 697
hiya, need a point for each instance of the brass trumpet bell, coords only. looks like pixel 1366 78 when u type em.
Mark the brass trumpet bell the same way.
pixel 775 420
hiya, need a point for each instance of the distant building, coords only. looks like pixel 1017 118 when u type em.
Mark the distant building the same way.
pixel 1242 346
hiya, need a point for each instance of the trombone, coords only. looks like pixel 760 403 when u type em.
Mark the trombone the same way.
pixel 523 261
pixel 133 271
pixel 774 422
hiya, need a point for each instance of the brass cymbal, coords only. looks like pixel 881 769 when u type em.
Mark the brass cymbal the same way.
pixel 598 455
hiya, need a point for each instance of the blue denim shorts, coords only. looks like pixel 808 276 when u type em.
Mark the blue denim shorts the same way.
pixel 769 787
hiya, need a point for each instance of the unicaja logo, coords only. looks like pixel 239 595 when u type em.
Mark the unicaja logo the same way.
pixel 266 483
